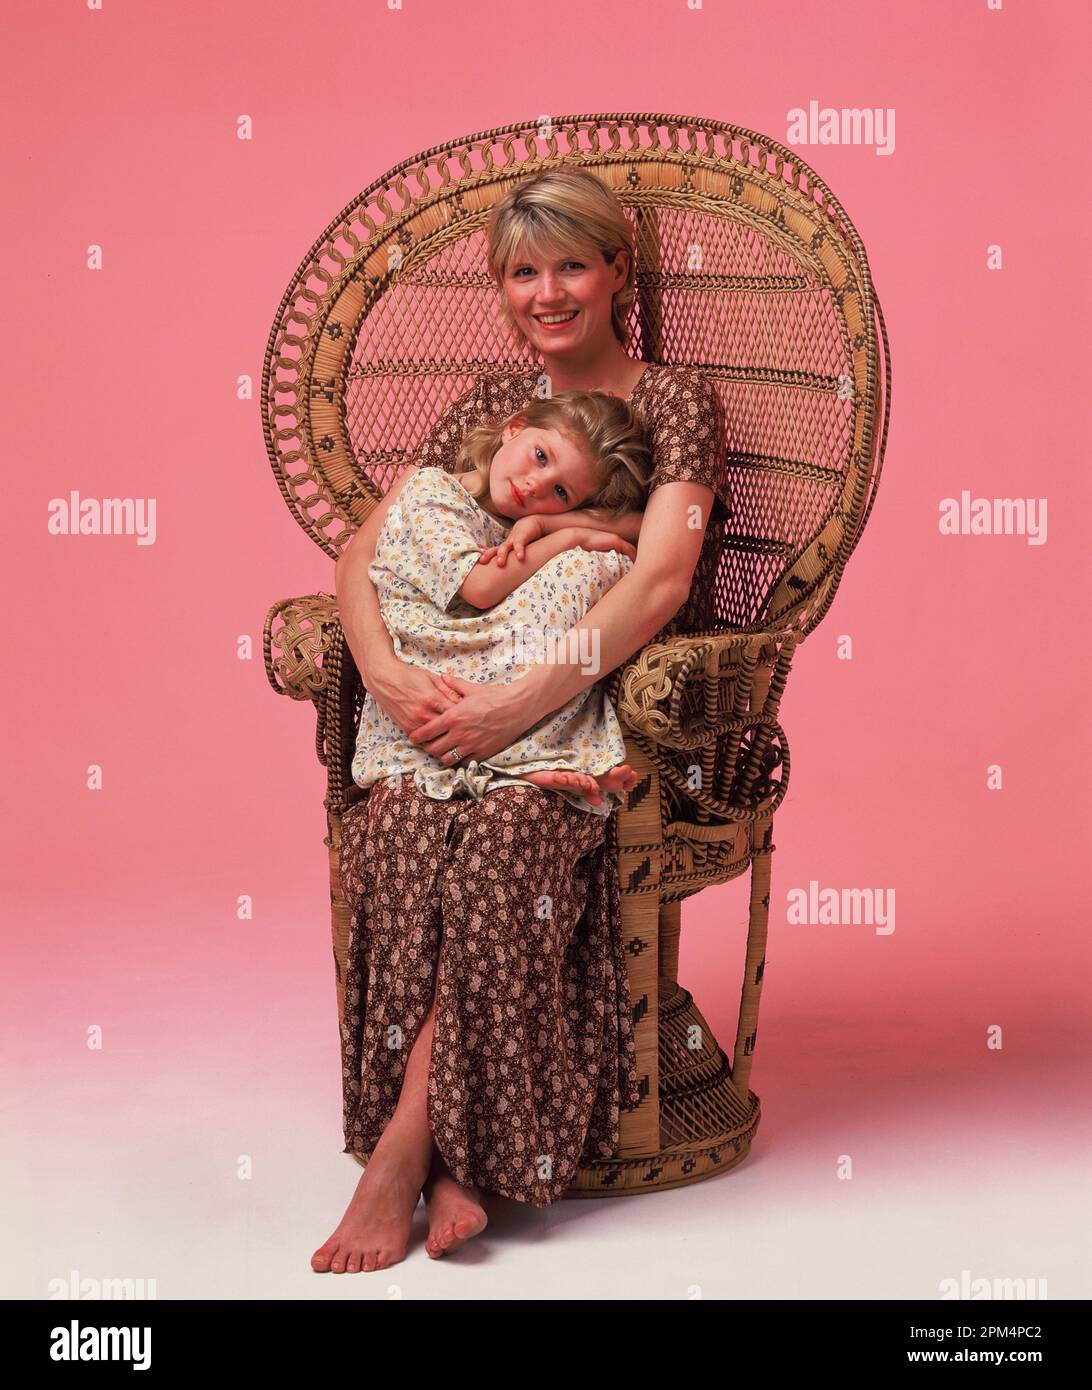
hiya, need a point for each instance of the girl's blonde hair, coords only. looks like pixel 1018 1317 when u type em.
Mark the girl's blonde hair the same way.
pixel 562 211
pixel 602 426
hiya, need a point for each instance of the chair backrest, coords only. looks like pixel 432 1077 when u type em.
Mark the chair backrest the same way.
pixel 747 268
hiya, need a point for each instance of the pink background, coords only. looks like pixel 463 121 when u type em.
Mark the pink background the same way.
pixel 219 1035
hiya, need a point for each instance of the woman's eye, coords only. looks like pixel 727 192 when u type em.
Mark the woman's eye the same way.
pixel 530 270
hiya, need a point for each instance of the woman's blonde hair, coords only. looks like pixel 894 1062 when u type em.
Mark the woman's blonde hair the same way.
pixel 561 211
pixel 601 425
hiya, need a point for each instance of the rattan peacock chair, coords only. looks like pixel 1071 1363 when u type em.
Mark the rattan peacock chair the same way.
pixel 390 317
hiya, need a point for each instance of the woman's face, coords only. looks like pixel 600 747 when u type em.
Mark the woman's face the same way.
pixel 562 302
pixel 536 471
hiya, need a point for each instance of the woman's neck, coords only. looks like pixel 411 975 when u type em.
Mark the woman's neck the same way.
pixel 613 370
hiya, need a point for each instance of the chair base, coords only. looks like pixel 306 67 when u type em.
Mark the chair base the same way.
pixel 706 1127
pixel 627 1177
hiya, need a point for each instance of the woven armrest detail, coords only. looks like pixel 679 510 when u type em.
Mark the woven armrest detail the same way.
pixel 302 630
pixel 666 693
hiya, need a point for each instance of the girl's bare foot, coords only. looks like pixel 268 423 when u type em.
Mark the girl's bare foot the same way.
pixel 620 779
pixel 375 1229
pixel 455 1213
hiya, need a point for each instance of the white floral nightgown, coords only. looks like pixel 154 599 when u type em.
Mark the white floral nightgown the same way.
pixel 430 540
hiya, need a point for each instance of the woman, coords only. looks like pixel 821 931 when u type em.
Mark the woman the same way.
pixel 561 251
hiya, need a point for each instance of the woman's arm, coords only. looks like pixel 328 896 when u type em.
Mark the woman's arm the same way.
pixel 408 694
pixel 357 601
pixel 405 692
pixel 490 717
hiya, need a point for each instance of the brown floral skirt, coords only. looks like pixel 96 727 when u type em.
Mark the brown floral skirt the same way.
pixel 507 911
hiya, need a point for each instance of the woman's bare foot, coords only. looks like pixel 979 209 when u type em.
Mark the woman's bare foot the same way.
pixel 375 1229
pixel 455 1213
pixel 619 780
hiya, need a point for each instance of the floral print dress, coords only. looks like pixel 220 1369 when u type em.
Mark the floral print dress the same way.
pixel 504 913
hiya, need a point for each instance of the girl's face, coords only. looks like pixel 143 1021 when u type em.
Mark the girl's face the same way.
pixel 536 471
pixel 562 303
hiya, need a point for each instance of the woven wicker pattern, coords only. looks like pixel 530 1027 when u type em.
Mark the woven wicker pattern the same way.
pixel 749 270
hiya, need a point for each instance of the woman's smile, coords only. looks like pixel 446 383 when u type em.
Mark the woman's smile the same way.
pixel 556 320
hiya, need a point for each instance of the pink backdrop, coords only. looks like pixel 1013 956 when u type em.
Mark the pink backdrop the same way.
pixel 219 1034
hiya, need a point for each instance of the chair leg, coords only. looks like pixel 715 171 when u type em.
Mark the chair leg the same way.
pixel 747 1028
pixel 670 925
pixel 639 838
pixel 705 1114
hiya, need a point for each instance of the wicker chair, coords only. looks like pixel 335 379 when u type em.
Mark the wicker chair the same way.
pixel 749 270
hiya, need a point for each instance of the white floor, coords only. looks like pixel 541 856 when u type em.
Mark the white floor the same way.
pixel 988 1179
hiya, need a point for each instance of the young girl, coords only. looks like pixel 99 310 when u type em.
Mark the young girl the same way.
pixel 448 612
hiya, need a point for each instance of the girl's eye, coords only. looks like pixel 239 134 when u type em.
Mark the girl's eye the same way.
pixel 540 454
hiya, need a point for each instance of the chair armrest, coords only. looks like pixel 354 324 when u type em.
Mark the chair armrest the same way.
pixel 314 663
pixel 704 707
pixel 664 694
pixel 308 628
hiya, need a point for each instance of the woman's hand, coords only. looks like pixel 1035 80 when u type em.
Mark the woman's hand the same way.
pixel 481 721
pixel 410 694
pixel 523 532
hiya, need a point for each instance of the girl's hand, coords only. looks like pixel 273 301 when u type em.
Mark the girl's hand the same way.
pixel 523 532
pixel 601 540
